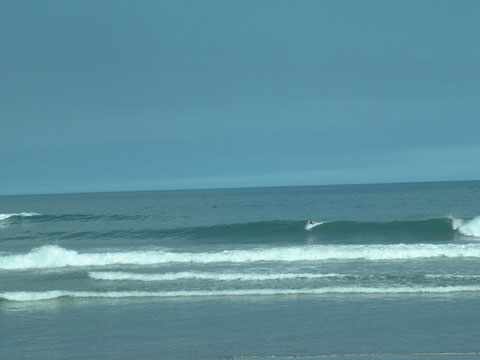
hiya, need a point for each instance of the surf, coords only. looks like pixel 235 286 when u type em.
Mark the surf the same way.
pixel 268 231
pixel 18 215
pixel 52 256
pixel 195 275
pixel 468 227
pixel 28 296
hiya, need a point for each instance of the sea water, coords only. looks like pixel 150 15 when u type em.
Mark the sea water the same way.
pixel 391 272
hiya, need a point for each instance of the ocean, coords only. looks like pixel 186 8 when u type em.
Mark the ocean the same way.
pixel 391 271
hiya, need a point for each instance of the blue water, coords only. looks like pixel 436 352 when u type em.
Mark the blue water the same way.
pixel 391 272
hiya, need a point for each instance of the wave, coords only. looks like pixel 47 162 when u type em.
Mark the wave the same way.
pixel 35 217
pixel 436 228
pixel 439 229
pixel 452 276
pixel 331 229
pixel 19 215
pixel 467 227
pixel 52 256
pixel 196 275
pixel 55 294
pixel 189 275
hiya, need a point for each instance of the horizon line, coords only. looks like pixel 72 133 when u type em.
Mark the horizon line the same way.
pixel 240 187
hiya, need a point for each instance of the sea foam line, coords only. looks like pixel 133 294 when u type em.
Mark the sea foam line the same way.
pixel 189 275
pixel 52 256
pixel 197 275
pixel 55 294
pixel 451 276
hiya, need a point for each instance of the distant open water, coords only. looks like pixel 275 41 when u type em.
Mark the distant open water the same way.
pixel 388 251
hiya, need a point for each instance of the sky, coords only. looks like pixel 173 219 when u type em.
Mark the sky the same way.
pixel 118 95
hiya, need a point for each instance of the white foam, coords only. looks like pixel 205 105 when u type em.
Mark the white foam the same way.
pixel 452 276
pixel 51 256
pixel 22 214
pixel 54 294
pixel 188 275
pixel 467 227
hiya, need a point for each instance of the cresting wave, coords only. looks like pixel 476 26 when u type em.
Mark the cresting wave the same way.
pixel 47 218
pixel 22 214
pixel 467 227
pixel 52 256
pixel 189 275
pixel 54 294
pixel 438 228
pixel 435 227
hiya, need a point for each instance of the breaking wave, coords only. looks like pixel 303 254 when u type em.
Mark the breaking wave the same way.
pixel 467 227
pixel 451 276
pixel 189 275
pixel 52 256
pixel 438 229
pixel 19 215
pixel 197 275
pixel 54 294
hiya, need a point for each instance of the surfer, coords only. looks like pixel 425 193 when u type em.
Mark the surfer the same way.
pixel 310 224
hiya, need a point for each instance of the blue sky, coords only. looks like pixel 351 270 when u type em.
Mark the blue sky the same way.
pixel 123 95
